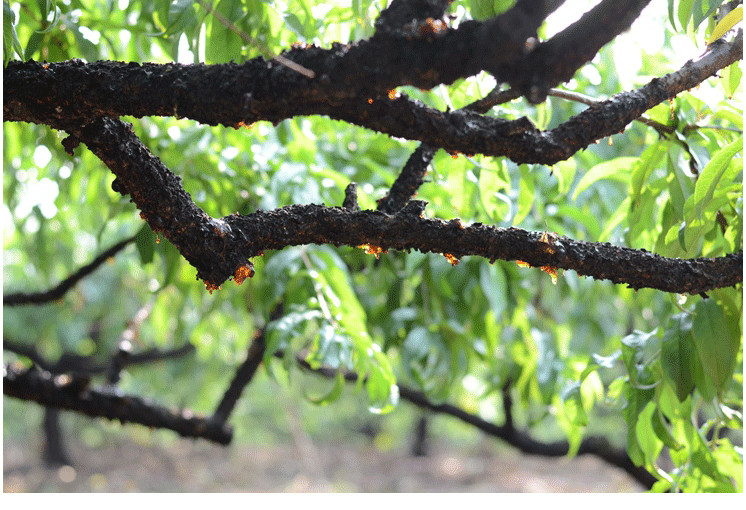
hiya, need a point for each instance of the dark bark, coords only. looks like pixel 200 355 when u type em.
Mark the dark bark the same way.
pixel 556 60
pixel 55 452
pixel 220 94
pixel 221 248
pixel 73 393
pixel 245 372
pixel 596 446
pixel 232 94
pixel 36 298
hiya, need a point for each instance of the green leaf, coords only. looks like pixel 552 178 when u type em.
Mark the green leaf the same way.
pixel 679 355
pixel 525 195
pixel 224 42
pixel 702 9
pixel 172 260
pixel 725 24
pixel 484 9
pixel 713 176
pixel 662 432
pixel 638 353
pixel 494 284
pixel 334 393
pixel 618 169
pixel 644 166
pixel 648 441
pixel 181 17
pixel 145 244
pixel 295 24
pixel 685 12
pixel 573 404
pixel 280 332
pixel 717 339
pixel 11 43
pixel 637 400
pixel 54 22
pixel 731 78
pixel 330 349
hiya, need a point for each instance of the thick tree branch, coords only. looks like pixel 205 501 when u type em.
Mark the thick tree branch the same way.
pixel 555 61
pixel 423 55
pixel 221 248
pixel 72 393
pixel 21 298
pixel 470 133
pixel 163 203
pixel 401 12
pixel 222 94
pixel 313 224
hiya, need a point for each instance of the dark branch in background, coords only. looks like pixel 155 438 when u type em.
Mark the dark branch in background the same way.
pixel 72 393
pixel 246 371
pixel 596 446
pixel 86 365
pixel 20 298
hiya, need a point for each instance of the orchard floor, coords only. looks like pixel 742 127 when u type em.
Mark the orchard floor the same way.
pixel 186 466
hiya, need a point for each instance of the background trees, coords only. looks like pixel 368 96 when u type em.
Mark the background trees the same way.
pixel 418 300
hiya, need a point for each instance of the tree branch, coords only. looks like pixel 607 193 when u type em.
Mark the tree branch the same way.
pixel 223 94
pixel 556 60
pixel 20 298
pixel 412 175
pixel 423 55
pixel 597 446
pixel 221 248
pixel 314 224
pixel 245 373
pixel 72 393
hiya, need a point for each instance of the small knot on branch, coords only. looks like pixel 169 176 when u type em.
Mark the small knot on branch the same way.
pixel 414 208
pixel 350 201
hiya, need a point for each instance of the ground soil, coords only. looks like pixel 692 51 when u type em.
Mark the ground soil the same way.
pixel 187 466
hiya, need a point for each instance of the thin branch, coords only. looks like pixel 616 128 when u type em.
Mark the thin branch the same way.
pixel 245 373
pixel 253 42
pixel 72 393
pixel 596 446
pixel 587 100
pixel 20 298
pixel 86 364
pixel 413 173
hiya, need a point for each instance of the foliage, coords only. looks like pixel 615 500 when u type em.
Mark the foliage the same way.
pixel 669 366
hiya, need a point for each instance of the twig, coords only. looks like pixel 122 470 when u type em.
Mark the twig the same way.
pixel 596 446
pixel 249 40
pixel 20 298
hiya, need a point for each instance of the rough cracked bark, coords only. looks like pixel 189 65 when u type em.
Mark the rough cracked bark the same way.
pixel 352 83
